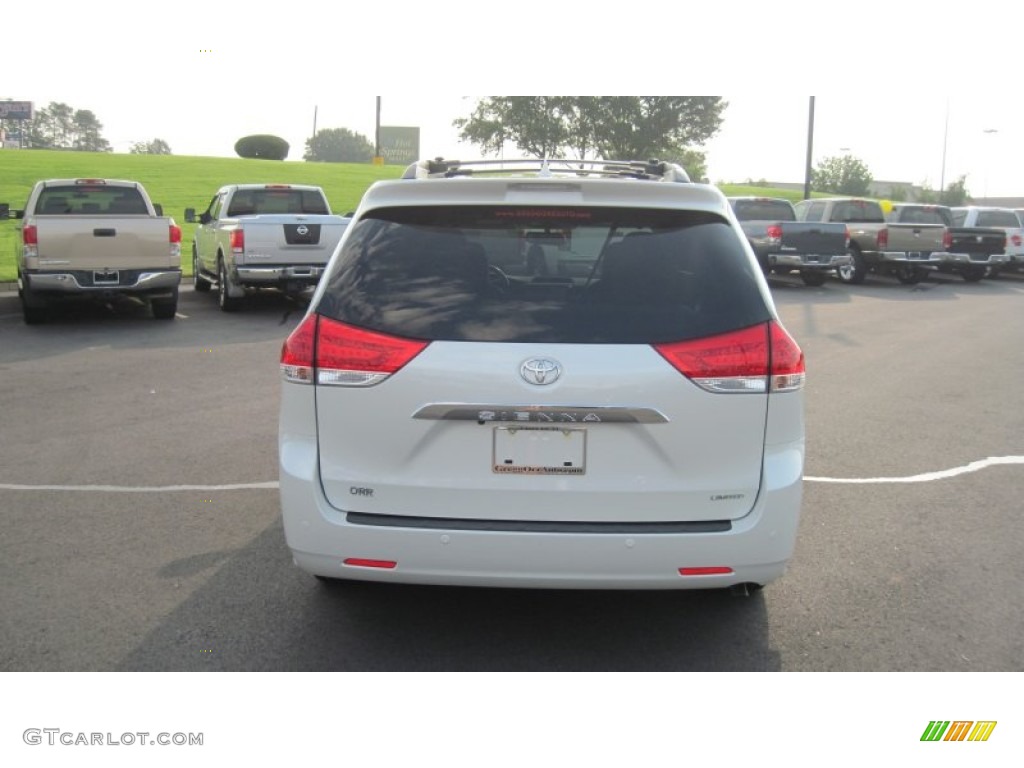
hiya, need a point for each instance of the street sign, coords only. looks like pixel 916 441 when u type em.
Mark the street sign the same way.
pixel 15 110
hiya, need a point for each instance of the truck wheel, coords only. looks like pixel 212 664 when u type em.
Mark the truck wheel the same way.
pixel 908 274
pixel 33 309
pixel 165 309
pixel 853 274
pixel 225 300
pixel 200 283
pixel 973 274
pixel 813 277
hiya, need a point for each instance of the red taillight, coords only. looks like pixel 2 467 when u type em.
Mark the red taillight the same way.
pixel 847 237
pixel 237 241
pixel 1016 240
pixel 947 240
pixel 739 361
pixel 297 352
pixel 775 231
pixel 175 234
pixel 883 238
pixel 343 355
pixel 30 235
pixel 712 570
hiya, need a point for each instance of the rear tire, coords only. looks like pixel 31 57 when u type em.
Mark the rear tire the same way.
pixel 201 284
pixel 973 274
pixel 165 309
pixel 910 275
pixel 225 300
pixel 855 273
pixel 813 277
pixel 33 309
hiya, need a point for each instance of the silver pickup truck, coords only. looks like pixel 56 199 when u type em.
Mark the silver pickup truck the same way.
pixel 254 236
pixel 96 239
pixel 783 244
pixel 901 250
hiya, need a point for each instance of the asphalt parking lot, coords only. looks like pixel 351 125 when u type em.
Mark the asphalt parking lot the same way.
pixel 141 529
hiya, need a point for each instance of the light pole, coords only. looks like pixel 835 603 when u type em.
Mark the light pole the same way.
pixel 988 156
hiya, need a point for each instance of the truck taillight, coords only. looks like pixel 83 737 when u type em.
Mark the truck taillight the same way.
pixel 1016 240
pixel 847 237
pixel 175 234
pixel 30 235
pixel 237 241
pixel 947 240
pixel 883 238
pixel 775 231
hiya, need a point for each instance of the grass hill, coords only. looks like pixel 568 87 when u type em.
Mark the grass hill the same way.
pixel 179 182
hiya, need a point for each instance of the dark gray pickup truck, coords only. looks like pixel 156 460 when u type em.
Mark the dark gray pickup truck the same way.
pixel 783 244
pixel 971 252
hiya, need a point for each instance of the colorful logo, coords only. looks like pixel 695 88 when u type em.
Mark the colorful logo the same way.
pixel 958 730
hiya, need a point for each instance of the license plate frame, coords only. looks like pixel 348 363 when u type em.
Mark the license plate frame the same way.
pixel 548 450
pixel 106 277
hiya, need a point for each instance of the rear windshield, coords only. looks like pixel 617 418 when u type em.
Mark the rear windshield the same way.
pixel 997 219
pixel 90 200
pixel 247 202
pixel 558 275
pixel 861 211
pixel 921 214
pixel 763 210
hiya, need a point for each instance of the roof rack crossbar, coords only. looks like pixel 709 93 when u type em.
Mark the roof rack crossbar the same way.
pixel 638 169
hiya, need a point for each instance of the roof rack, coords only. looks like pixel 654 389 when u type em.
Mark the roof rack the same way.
pixel 653 170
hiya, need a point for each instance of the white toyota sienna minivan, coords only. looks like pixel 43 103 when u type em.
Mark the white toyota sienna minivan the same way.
pixel 542 378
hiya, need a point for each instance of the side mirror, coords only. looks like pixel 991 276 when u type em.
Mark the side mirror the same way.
pixel 159 209
pixel 5 211
pixel 205 218
pixel 190 215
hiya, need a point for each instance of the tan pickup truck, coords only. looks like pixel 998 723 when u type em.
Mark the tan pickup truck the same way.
pixel 96 238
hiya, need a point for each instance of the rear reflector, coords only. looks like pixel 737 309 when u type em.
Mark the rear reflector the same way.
pixel 342 355
pixel 362 562
pixel 714 570
pixel 748 361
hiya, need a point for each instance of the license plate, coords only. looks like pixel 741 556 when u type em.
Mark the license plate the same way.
pixel 540 450
pixel 105 278
pixel 812 258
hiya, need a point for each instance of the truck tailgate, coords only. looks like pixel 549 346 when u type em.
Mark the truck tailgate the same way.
pixel 291 239
pixel 913 238
pixel 813 238
pixel 977 240
pixel 103 242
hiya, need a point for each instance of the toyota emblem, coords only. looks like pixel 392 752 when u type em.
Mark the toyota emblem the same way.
pixel 540 370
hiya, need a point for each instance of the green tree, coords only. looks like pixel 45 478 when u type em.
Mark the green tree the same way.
pixel 262 146
pixel 926 194
pixel 86 130
pixel 844 175
pixel 338 145
pixel 154 147
pixel 955 193
pixel 609 127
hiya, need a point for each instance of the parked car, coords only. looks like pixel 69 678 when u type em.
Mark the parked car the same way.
pixel 971 252
pixel 1003 218
pixel 96 239
pixel 635 424
pixel 254 236
pixel 875 245
pixel 783 244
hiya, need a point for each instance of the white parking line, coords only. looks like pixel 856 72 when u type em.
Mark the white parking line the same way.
pixel 269 485
pixel 926 477
pixel 272 485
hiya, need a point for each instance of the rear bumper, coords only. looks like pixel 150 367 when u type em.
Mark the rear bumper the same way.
pixel 811 261
pixel 756 548
pixel 308 274
pixel 968 259
pixel 134 282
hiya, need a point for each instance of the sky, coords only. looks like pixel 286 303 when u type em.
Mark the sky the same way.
pixel 213 74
